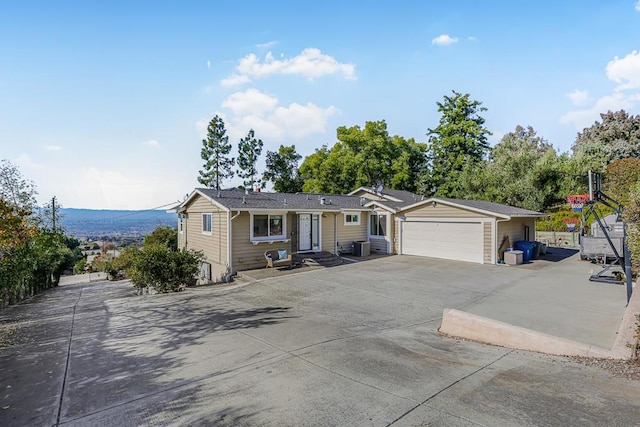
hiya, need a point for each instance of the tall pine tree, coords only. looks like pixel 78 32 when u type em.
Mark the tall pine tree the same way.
pixel 218 165
pixel 249 149
pixel 459 140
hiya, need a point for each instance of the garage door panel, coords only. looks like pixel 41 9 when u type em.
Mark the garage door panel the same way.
pixel 461 241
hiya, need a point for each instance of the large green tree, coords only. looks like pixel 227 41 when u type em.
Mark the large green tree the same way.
pixel 459 139
pixel 620 177
pixel 249 150
pixel 281 169
pixel 616 137
pixel 218 165
pixel 364 157
pixel 522 170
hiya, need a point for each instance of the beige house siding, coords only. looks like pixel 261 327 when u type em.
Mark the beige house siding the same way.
pixel 515 230
pixel 247 255
pixel 441 211
pixel 327 232
pixel 347 234
pixel 214 245
pixel 488 247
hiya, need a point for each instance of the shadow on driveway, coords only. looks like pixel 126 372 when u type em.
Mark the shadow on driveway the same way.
pixel 124 349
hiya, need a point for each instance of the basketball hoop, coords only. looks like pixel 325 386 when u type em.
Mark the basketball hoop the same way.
pixel 571 223
pixel 577 201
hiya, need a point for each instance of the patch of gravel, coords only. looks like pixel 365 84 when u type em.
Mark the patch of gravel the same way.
pixel 622 368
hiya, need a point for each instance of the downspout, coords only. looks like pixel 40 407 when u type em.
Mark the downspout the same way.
pixel 335 234
pixel 494 251
pixel 229 243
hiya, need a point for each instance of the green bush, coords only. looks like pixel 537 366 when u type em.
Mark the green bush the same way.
pixel 162 269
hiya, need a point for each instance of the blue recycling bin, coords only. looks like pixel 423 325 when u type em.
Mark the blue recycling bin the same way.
pixel 526 248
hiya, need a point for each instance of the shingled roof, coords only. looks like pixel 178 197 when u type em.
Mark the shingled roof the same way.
pixel 239 200
pixel 496 208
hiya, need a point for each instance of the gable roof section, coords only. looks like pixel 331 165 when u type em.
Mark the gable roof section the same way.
pixel 480 206
pixel 398 196
pixel 239 200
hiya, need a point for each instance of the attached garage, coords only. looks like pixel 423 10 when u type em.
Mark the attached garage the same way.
pixel 461 230
pixel 461 241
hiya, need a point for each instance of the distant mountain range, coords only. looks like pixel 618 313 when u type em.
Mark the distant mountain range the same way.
pixel 93 224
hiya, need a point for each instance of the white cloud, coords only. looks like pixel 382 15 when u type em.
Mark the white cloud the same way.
pixel 153 143
pixel 208 64
pixel 585 118
pixel 638 6
pixel 444 40
pixel 253 109
pixel 235 80
pixel 625 71
pixel 25 162
pixel 310 63
pixel 251 101
pixel 472 38
pixel 266 45
pixel 579 97
pixel 52 148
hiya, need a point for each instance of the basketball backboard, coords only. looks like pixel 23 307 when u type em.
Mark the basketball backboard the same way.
pixel 595 185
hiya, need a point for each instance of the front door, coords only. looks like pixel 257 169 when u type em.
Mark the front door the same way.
pixel 304 232
pixel 309 232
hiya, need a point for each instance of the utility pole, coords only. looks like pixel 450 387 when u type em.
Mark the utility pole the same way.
pixel 53 213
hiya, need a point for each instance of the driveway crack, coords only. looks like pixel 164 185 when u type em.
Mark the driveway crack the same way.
pixel 66 367
pixel 448 387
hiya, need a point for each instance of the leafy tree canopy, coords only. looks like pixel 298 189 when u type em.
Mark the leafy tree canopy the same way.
pixel 164 236
pixel 282 170
pixel 522 170
pixel 364 157
pixel 616 137
pixel 620 177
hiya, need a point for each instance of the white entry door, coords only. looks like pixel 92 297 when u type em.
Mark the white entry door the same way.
pixel 304 232
pixel 309 232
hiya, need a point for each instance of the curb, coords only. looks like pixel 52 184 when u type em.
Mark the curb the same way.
pixel 461 324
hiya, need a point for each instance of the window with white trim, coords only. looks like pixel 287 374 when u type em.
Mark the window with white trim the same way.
pixel 206 223
pixel 268 226
pixel 352 219
pixel 377 224
pixel 181 223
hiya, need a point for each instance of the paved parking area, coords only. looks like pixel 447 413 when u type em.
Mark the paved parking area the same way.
pixel 351 345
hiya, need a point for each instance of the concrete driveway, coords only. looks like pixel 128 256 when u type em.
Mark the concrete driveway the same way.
pixel 351 345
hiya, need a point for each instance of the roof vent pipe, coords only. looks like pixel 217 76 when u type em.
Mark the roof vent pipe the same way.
pixel 323 201
pixel 284 201
pixel 244 202
pixel 362 201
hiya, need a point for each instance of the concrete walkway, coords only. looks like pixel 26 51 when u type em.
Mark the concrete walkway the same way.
pixel 351 345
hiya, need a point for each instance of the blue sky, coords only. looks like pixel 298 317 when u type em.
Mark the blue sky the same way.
pixel 104 104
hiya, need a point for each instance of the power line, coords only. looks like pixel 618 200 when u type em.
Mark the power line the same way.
pixel 139 211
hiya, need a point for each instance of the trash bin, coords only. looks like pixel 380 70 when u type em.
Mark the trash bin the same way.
pixel 526 248
pixel 361 248
pixel 537 249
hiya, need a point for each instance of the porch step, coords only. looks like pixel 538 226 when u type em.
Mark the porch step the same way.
pixel 323 259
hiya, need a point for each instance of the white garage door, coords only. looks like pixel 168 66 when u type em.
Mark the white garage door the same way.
pixel 462 241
